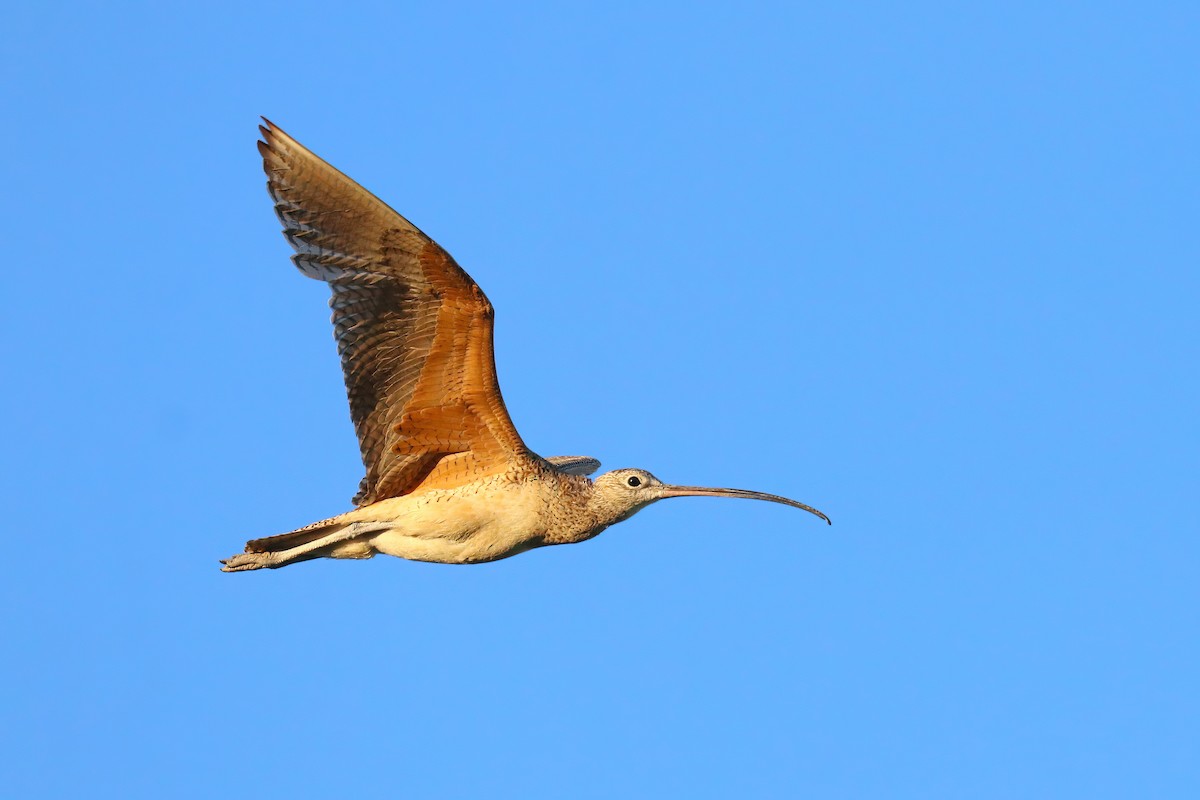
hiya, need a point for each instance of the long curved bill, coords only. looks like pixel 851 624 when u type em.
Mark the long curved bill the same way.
pixel 704 491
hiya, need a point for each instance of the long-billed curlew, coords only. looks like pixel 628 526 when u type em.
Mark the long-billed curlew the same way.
pixel 448 477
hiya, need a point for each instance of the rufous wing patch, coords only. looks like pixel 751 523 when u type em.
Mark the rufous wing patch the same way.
pixel 437 431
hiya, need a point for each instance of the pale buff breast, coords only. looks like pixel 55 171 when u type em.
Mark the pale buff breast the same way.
pixel 481 521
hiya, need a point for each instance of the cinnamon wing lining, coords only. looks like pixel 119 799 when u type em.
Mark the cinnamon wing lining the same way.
pixel 413 330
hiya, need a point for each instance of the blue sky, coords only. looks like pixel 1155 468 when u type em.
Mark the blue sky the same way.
pixel 931 269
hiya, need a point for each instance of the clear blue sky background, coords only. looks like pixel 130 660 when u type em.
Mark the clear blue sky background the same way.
pixel 931 269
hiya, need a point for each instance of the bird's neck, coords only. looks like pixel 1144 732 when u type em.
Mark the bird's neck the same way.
pixel 608 510
pixel 582 512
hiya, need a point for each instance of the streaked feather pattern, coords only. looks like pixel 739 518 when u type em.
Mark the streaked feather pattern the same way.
pixel 413 330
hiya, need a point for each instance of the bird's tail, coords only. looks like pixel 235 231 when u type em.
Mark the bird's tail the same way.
pixel 277 551
pixel 296 538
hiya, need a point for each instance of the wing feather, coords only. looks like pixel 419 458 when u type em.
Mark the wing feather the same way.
pixel 413 330
pixel 574 465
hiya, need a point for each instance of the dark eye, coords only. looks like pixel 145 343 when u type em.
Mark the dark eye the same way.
pixel 634 480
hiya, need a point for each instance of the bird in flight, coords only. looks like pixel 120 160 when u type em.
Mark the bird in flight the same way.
pixel 448 478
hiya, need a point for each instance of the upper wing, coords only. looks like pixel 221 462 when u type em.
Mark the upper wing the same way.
pixel 574 465
pixel 413 330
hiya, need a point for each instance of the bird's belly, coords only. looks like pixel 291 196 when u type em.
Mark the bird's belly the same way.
pixel 479 548
pixel 459 528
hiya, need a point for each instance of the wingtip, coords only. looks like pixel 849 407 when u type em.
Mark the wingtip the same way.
pixel 266 131
pixel 271 132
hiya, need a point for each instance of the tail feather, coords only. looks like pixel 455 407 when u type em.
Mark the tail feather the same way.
pixel 296 538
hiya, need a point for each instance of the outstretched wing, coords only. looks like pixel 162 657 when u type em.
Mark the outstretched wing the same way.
pixel 413 330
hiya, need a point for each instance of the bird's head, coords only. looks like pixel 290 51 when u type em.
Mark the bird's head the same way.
pixel 620 494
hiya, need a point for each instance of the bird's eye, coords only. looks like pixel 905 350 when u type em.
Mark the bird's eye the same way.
pixel 634 480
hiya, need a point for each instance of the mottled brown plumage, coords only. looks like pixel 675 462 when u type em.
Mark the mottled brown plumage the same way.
pixel 414 332
pixel 448 477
